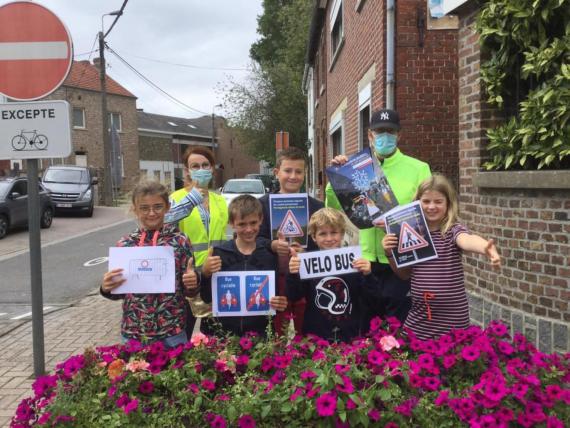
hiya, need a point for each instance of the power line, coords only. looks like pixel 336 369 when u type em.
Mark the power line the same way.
pixel 200 67
pixel 88 59
pixel 119 14
pixel 152 84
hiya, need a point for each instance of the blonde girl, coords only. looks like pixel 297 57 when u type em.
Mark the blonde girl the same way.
pixel 154 317
pixel 439 300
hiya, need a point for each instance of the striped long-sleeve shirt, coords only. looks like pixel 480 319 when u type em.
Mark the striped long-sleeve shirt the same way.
pixel 439 300
pixel 182 209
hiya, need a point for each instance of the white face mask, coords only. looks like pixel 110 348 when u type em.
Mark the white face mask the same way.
pixel 201 176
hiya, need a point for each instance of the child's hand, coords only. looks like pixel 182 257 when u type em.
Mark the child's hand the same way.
pixel 212 264
pixel 363 266
pixel 279 303
pixel 190 278
pixel 297 247
pixel 389 243
pixel 339 160
pixel 280 246
pixel 492 253
pixel 112 280
pixel 294 262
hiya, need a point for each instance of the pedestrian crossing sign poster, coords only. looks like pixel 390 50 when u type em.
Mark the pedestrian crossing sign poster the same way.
pixel 414 240
pixel 289 215
pixel 242 293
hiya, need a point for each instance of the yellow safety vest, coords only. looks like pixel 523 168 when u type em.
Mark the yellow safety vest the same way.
pixel 194 229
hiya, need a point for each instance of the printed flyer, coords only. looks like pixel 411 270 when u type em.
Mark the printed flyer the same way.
pixel 289 215
pixel 414 241
pixel 242 293
pixel 362 189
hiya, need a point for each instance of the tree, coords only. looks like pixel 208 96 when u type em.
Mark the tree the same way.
pixel 271 99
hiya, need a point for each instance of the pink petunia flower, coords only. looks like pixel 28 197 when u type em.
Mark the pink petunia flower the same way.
pixel 326 404
pixel 246 421
pixel 308 374
pixel 137 365
pixel 298 392
pixel 146 387
pixel 442 398
pixel 350 405
pixel 218 422
pixel 470 353
pixel 554 422
pixel 375 357
pixel 246 343
pixel 374 414
pixel 199 339
pixel 431 383
pixel 242 360
pixel 131 406
pixel 208 385
pixel 387 343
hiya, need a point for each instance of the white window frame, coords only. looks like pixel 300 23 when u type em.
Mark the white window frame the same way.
pixel 82 118
pixel 364 100
pixel 335 15
pixel 111 122
pixel 336 125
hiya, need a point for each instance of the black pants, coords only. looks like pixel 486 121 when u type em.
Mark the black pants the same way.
pixel 394 300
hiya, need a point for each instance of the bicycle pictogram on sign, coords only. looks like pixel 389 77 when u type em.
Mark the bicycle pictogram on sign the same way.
pixel 23 142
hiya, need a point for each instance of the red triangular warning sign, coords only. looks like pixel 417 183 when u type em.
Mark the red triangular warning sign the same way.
pixel 410 239
pixel 290 227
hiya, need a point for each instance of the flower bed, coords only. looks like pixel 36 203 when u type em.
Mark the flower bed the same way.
pixel 473 377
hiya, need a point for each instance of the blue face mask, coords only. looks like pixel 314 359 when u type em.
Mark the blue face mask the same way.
pixel 201 176
pixel 385 143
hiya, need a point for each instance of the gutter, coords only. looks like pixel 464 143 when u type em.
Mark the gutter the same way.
pixel 390 52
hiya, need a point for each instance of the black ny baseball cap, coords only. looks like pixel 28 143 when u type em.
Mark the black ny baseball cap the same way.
pixel 385 118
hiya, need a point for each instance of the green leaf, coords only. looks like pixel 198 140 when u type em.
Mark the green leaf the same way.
pixel 265 411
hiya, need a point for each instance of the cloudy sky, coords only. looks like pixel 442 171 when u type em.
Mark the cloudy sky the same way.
pixel 210 38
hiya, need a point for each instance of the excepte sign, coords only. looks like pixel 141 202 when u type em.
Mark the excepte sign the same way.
pixel 35 130
pixel 329 262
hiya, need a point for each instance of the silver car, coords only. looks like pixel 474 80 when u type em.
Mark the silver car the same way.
pixel 242 186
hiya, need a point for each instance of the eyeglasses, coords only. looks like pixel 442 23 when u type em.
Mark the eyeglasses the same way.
pixel 197 166
pixel 158 209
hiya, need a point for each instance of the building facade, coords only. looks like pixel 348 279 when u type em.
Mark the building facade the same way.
pixel 364 55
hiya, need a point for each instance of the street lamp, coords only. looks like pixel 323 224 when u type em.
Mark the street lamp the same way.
pixel 107 182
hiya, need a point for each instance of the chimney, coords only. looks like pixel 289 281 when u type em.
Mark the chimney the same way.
pixel 97 62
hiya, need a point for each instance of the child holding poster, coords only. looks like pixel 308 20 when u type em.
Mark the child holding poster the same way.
pixel 439 300
pixel 334 303
pixel 290 171
pixel 247 252
pixel 154 317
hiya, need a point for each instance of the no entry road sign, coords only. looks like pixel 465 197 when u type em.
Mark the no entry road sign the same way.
pixel 36 51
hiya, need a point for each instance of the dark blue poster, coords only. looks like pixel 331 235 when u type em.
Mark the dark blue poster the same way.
pixel 228 294
pixel 257 292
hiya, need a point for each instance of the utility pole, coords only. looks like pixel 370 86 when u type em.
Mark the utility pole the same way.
pixel 107 183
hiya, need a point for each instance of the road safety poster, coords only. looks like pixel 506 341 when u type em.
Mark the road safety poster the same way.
pixel 289 215
pixel 242 293
pixel 147 270
pixel 362 189
pixel 414 240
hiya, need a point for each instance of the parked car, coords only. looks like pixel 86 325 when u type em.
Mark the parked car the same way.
pixel 71 188
pixel 14 205
pixel 242 186
pixel 269 181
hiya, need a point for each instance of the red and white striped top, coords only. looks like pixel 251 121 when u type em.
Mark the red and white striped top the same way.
pixel 439 300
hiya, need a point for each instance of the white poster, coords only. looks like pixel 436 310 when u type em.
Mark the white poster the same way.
pixel 329 262
pixel 146 269
pixel 242 293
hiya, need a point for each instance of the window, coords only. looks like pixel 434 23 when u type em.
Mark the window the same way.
pixel 115 120
pixel 336 132
pixel 336 140
pixel 363 126
pixel 78 118
pixel 337 28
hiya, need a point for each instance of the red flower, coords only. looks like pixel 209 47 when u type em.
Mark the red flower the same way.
pixel 326 404
pixel 246 421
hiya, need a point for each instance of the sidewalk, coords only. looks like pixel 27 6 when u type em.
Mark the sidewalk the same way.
pixel 93 321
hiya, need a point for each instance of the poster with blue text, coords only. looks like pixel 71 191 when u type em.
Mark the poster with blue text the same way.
pixel 289 215
pixel 244 293
pixel 362 189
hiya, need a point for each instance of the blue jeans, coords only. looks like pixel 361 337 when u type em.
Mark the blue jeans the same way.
pixel 169 342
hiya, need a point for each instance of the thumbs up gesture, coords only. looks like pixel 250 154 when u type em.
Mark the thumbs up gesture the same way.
pixel 190 278
pixel 212 264
pixel 294 262
pixel 280 246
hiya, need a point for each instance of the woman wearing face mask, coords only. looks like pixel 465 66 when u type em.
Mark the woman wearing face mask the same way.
pixel 201 215
pixel 404 174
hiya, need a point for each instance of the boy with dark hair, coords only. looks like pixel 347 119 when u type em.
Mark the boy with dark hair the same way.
pixel 334 303
pixel 290 172
pixel 247 252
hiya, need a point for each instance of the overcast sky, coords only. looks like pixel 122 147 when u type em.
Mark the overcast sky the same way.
pixel 210 35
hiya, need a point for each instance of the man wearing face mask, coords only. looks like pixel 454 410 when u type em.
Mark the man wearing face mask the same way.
pixel 404 174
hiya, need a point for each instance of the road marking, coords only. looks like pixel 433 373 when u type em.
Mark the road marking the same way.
pixel 3 313
pixel 95 262
pixel 29 314
pixel 49 244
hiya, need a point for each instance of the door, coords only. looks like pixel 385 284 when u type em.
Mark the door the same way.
pixel 19 206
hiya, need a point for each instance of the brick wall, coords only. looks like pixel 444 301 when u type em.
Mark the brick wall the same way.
pixel 532 227
pixel 155 148
pixel 426 80
pixel 90 141
pixel 237 162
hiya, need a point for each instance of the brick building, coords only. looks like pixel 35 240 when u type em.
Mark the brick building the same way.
pixel 348 65
pixel 163 140
pixel 527 212
pixel 82 90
